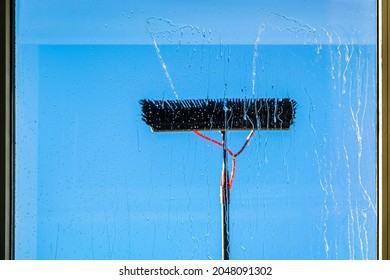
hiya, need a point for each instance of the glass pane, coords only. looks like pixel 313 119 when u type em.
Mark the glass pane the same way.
pixel 94 182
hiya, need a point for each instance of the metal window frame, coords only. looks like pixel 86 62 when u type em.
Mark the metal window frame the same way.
pixel 383 131
pixel 7 139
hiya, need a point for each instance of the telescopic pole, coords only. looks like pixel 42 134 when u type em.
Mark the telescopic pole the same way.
pixel 225 201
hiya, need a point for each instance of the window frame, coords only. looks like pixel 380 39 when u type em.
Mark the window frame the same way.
pixel 7 83
pixel 383 131
pixel 7 130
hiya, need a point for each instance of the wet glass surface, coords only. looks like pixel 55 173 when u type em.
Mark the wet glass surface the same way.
pixel 94 182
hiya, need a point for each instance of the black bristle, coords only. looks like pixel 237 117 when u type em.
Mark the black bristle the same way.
pixel 220 114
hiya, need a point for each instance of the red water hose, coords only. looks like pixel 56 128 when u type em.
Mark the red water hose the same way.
pixel 248 138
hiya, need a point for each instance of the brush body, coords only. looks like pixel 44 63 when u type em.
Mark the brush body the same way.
pixel 220 114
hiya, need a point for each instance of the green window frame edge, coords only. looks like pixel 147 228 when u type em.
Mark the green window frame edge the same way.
pixel 7 140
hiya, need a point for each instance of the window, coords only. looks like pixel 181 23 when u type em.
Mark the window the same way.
pixel 93 182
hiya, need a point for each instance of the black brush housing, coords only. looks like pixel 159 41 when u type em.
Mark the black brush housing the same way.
pixel 220 114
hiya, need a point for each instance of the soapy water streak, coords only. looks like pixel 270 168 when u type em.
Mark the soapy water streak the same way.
pixel 354 83
pixel 359 129
pixel 163 65
pixel 358 118
pixel 254 60
pixel 169 33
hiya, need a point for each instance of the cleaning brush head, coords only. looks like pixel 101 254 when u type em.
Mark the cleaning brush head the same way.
pixel 220 114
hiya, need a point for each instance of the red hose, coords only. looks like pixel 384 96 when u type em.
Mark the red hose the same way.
pixel 248 138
